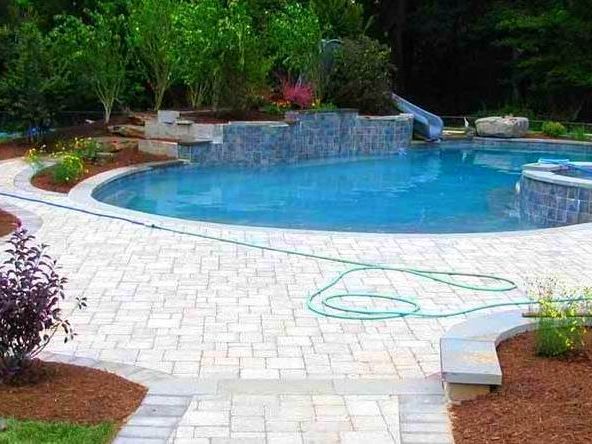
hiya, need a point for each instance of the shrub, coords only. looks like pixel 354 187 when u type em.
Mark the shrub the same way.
pixel 88 149
pixel 30 294
pixel 361 76
pixel 69 168
pixel 553 129
pixel 34 82
pixel 559 329
pixel 579 133
pixel 294 36
pixel 298 94
pixel 34 158
pixel 277 107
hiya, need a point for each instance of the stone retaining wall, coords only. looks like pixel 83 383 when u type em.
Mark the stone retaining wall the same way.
pixel 545 204
pixel 303 135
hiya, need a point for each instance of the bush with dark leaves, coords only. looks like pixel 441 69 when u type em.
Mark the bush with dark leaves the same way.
pixel 361 77
pixel 30 294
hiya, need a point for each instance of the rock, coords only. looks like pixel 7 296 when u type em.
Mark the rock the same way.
pixel 505 127
pixel 140 119
pixel 128 131
pixel 115 144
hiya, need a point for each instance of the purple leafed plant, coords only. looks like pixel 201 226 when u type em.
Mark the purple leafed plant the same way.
pixel 299 94
pixel 30 294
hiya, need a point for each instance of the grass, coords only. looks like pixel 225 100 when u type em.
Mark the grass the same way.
pixel 35 432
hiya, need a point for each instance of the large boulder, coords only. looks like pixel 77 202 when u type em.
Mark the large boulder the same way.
pixel 505 127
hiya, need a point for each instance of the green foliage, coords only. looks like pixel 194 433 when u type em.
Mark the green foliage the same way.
pixel 340 18
pixel 199 46
pixel 579 134
pixel 243 67
pixel 87 149
pixel 554 129
pixel 69 168
pixel 34 157
pixel 56 432
pixel 560 326
pixel 96 49
pixel 559 329
pixel 153 35
pixel 361 77
pixel 295 40
pixel 35 80
pixel 553 43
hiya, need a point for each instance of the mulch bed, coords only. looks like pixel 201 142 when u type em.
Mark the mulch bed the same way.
pixel 7 223
pixel 10 149
pixel 73 394
pixel 228 116
pixel 542 400
pixel 123 158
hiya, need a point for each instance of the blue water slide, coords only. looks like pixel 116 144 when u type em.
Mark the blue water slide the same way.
pixel 427 125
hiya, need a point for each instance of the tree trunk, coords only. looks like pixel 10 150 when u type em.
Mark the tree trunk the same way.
pixel 108 108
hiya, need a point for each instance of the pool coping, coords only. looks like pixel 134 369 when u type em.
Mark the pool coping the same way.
pixel 501 140
pixel 548 173
pixel 83 194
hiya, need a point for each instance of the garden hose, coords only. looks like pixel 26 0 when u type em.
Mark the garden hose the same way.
pixel 332 305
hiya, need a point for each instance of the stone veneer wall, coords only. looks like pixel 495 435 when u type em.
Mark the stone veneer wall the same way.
pixel 546 204
pixel 304 135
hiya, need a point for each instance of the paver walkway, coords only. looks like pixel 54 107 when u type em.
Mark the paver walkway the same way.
pixel 202 309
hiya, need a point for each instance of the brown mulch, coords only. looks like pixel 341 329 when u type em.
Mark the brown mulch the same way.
pixel 8 223
pixel 18 147
pixel 73 394
pixel 542 400
pixel 227 116
pixel 123 158
pixel 13 148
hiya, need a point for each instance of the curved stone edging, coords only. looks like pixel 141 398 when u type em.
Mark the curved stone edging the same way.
pixel 468 355
pixel 468 352
pixel 22 181
pixel 549 175
pixel 541 143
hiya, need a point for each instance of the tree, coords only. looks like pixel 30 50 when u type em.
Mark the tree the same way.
pixel 295 36
pixel 339 18
pixel 198 45
pixel 242 67
pixel 35 81
pixel 552 41
pixel 97 52
pixel 153 35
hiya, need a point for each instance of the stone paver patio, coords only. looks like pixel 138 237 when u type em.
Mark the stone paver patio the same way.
pixel 236 316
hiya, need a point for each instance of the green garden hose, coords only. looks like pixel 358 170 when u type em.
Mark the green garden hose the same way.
pixel 332 305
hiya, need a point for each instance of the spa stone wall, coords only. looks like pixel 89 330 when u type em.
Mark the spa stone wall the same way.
pixel 546 204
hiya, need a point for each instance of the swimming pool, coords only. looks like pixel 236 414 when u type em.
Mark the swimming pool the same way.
pixel 454 188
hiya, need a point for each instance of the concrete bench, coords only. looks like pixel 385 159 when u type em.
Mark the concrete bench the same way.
pixel 468 356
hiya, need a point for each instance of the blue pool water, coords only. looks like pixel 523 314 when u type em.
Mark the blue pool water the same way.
pixel 425 190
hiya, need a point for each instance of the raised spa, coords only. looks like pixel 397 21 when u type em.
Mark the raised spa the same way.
pixel 451 188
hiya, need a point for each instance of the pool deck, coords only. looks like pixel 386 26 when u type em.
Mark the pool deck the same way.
pixel 236 317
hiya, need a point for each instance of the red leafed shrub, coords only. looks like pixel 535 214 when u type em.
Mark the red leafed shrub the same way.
pixel 30 294
pixel 299 94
